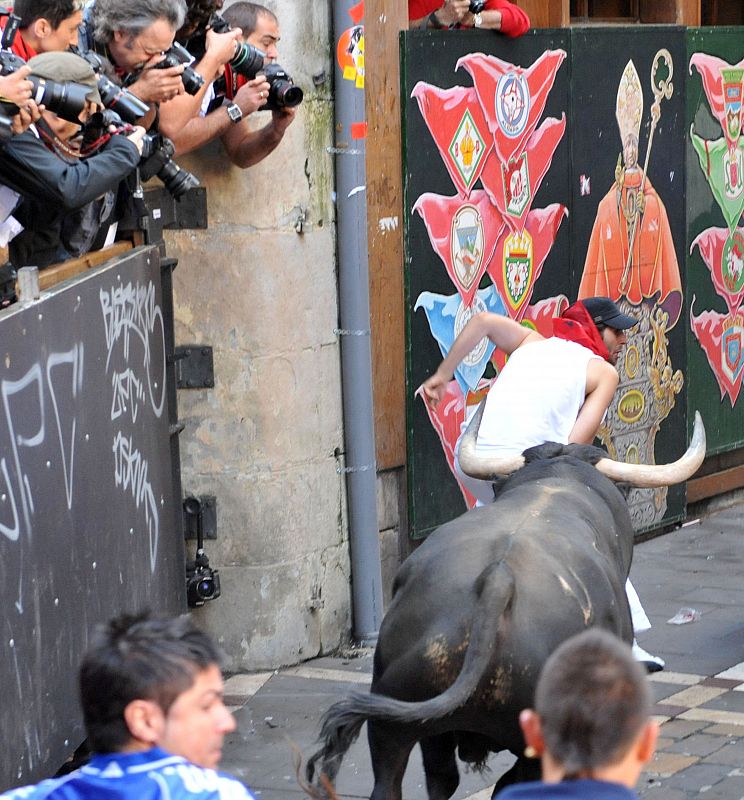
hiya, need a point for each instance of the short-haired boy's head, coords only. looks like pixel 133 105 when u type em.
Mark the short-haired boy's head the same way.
pixel 593 699
pixel 54 11
pixel 138 658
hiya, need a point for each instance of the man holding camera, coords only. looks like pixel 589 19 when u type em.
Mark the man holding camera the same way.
pixel 496 15
pixel 133 35
pixel 258 28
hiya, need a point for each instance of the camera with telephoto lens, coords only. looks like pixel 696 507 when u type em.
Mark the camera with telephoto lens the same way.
pixel 176 55
pixel 66 99
pixel 283 93
pixel 128 106
pixel 202 584
pixel 248 60
pixel 476 6
pixel 156 159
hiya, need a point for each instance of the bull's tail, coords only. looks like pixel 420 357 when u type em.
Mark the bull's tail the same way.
pixel 343 720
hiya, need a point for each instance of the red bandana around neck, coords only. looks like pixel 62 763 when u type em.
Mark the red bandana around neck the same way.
pixel 576 325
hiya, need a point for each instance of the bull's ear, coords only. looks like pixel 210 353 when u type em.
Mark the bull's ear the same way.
pixel 529 721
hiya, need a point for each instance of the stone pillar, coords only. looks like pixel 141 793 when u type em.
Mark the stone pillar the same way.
pixel 260 286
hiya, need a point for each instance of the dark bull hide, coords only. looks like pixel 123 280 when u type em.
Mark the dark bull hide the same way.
pixel 477 610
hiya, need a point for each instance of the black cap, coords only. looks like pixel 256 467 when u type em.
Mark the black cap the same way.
pixel 602 309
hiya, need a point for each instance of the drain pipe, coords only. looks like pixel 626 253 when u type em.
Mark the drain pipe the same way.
pixel 354 336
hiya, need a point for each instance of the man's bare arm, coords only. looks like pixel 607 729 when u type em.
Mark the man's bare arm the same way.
pixel 601 382
pixel 246 147
pixel 504 332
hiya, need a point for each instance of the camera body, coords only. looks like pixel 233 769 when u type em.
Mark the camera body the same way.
pixel 202 584
pixel 283 93
pixel 476 6
pixel 176 55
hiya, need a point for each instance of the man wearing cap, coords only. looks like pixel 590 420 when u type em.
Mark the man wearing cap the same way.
pixel 553 389
pixel 43 164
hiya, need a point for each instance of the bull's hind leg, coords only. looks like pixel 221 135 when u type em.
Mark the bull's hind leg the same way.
pixel 389 749
pixel 440 765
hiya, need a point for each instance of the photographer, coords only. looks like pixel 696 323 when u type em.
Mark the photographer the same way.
pixel 44 165
pixel 46 26
pixel 496 15
pixel 242 96
pixel 133 35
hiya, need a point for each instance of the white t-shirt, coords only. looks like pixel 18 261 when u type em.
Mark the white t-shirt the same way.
pixel 536 398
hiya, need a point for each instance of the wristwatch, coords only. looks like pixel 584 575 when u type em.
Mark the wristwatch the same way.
pixel 477 20
pixel 234 112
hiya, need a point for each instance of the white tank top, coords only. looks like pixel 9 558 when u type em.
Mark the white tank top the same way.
pixel 536 398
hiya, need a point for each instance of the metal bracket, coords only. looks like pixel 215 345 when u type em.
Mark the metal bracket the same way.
pixel 194 366
pixel 209 519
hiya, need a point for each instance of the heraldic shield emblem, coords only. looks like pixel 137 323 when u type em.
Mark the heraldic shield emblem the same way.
pixel 512 104
pixel 467 149
pixel 518 261
pixel 732 94
pixel 731 344
pixel 467 245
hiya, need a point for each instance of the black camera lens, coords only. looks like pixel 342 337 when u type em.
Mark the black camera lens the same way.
pixel 283 93
pixel 176 55
pixel 476 6
pixel 127 106
pixel 157 160
pixel 66 100
pixel 202 584
pixel 248 60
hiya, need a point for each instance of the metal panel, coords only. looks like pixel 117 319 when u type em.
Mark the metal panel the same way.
pixel 87 504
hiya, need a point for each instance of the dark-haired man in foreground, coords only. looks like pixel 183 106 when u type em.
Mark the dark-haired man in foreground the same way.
pixel 591 723
pixel 149 688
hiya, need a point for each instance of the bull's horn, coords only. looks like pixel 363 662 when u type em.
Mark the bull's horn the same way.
pixel 653 475
pixel 477 465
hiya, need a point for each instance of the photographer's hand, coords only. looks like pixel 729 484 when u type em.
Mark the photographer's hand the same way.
pixel 136 137
pixel 282 119
pixel 27 114
pixel 158 85
pixel 220 49
pixel 252 95
pixel 16 87
pixel 452 12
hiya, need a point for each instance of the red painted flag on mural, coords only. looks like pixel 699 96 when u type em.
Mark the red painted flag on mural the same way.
pixel 512 186
pixel 722 338
pixel 463 234
pixel 460 131
pixel 723 254
pixel 447 419
pixel 519 257
pixel 723 84
pixel 512 98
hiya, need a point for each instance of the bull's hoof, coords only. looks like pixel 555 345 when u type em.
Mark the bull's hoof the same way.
pixel 652 663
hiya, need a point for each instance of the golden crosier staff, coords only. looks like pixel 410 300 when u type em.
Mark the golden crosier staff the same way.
pixel 663 89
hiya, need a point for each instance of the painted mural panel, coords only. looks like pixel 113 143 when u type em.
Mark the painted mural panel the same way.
pixel 524 189
pixel 716 232
pixel 628 233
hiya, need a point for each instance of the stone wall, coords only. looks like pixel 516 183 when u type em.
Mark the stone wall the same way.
pixel 267 439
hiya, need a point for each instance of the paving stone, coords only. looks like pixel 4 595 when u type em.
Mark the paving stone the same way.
pixel 670 763
pixel 679 728
pixel 729 701
pixel 713 715
pixel 694 696
pixel 699 744
pixel 725 683
pixel 697 777
pixel 657 791
pixel 723 730
pixel 732 753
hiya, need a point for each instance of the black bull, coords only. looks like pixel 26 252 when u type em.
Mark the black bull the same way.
pixel 476 611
